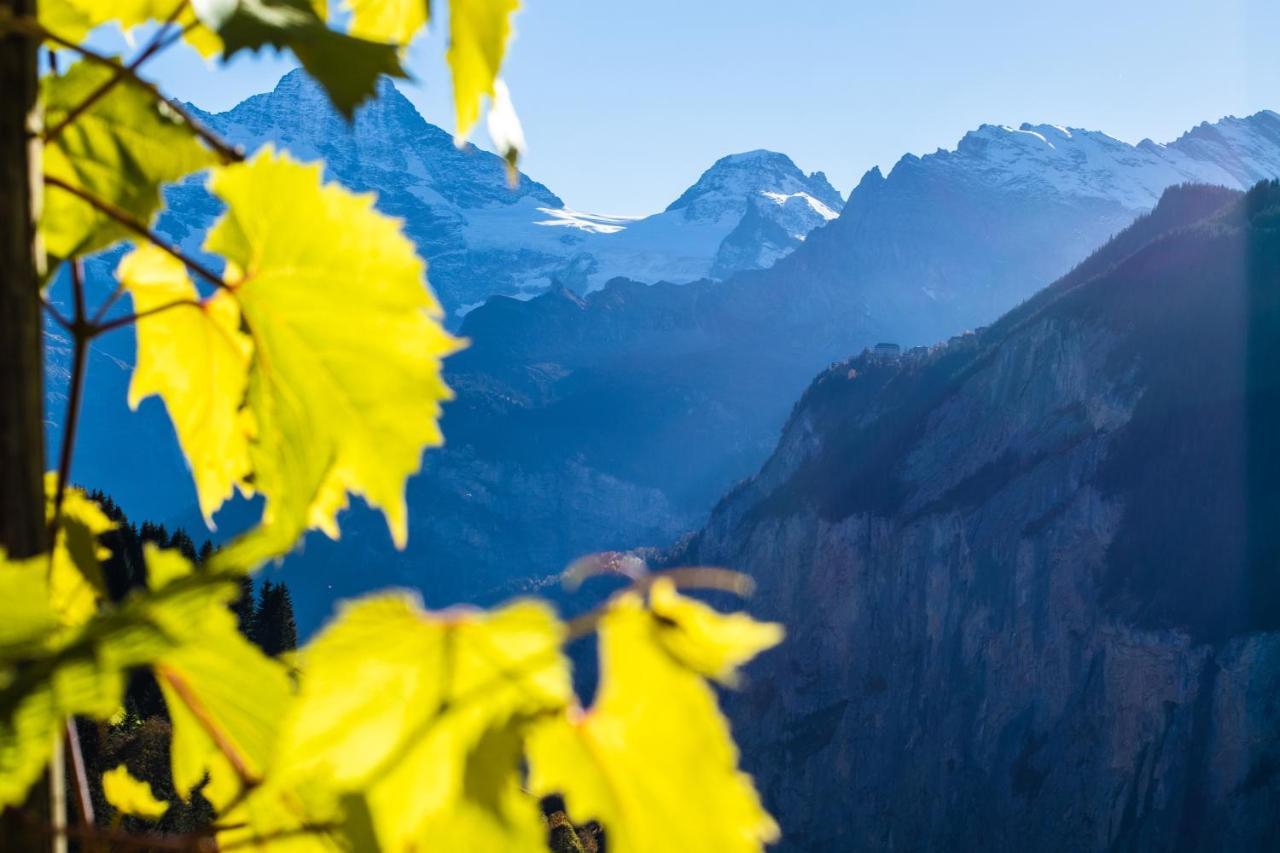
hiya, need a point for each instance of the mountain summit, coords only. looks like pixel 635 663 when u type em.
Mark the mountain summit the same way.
pixel 731 180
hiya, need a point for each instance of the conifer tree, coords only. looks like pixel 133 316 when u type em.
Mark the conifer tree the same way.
pixel 275 630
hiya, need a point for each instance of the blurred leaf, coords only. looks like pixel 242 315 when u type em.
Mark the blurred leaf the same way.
pixel 27 616
pixel 505 131
pixel 421 714
pixel 346 66
pixel 478 34
pixel 396 21
pixel 75 574
pixel 75 19
pixel 345 385
pixel 196 359
pixel 653 759
pixel 710 643
pixel 120 151
pixel 130 795
pixel 225 697
pixel 81 671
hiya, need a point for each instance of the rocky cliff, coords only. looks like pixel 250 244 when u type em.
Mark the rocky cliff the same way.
pixel 1030 576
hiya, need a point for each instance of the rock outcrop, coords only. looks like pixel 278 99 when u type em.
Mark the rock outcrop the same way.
pixel 1032 577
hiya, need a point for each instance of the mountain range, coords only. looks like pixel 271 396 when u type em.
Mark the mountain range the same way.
pixel 484 236
pixel 598 415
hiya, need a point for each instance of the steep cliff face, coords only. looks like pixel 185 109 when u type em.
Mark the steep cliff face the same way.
pixel 1030 577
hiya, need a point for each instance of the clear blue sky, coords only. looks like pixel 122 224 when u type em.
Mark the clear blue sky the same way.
pixel 624 104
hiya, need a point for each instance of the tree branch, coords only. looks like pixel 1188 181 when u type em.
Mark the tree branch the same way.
pixel 131 223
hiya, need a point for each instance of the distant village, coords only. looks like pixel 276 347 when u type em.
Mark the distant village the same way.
pixel 886 352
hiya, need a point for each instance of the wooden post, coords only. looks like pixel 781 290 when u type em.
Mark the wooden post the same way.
pixel 23 531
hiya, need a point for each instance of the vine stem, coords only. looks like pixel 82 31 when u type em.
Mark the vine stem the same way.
pixel 157 43
pixel 684 577
pixel 55 314
pixel 82 778
pixel 81 336
pixel 197 841
pixel 133 318
pixel 130 222
pixel 179 684
pixel 58 796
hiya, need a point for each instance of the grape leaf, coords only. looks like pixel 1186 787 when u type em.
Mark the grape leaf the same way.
pixel 81 670
pixel 75 19
pixel 225 697
pixel 120 151
pixel 396 21
pixel 478 34
pixel 710 643
pixel 196 359
pixel 346 66
pixel 653 760
pixel 422 715
pixel 131 796
pixel 75 575
pixel 27 616
pixel 345 384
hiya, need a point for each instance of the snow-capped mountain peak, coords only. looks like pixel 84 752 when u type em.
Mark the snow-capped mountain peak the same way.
pixel 725 187
pixel 1080 163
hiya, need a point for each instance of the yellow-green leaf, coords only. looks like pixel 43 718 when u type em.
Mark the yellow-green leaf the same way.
pixel 706 641
pixel 75 576
pixel 81 669
pixel 195 358
pixel 421 714
pixel 396 21
pixel 72 20
pixel 131 796
pixel 225 697
pixel 27 616
pixel 120 151
pixel 478 34
pixel 75 19
pixel 653 759
pixel 345 385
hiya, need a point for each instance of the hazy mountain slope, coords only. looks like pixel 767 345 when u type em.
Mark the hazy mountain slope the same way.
pixel 617 419
pixel 1031 576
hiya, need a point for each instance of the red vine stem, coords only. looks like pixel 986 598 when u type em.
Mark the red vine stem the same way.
pixel 80 348
pixel 179 684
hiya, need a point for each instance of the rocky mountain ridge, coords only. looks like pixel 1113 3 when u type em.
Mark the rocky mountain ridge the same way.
pixel 1030 576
